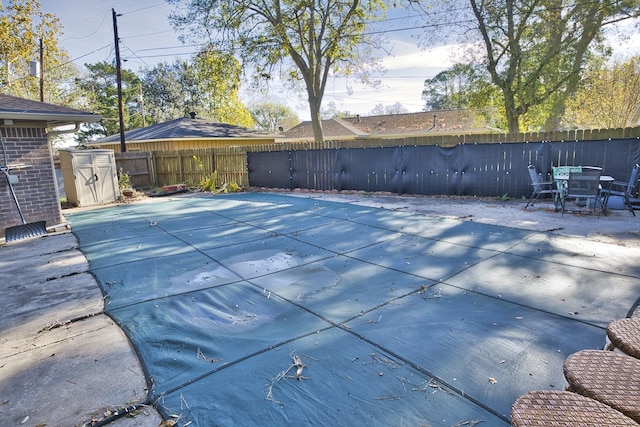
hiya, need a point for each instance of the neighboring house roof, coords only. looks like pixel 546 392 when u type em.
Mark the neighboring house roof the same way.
pixel 183 128
pixel 13 108
pixel 430 122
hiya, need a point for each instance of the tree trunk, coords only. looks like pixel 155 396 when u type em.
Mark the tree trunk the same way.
pixel 316 119
pixel 511 111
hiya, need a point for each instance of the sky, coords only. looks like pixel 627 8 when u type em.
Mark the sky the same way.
pixel 147 38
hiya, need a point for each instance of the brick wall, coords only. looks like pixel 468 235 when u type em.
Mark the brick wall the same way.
pixel 29 158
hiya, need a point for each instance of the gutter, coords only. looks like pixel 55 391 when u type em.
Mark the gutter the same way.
pixel 62 118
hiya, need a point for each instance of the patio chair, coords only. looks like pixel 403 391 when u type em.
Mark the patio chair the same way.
pixel 564 408
pixel 607 377
pixel 623 189
pixel 623 335
pixel 541 187
pixel 583 185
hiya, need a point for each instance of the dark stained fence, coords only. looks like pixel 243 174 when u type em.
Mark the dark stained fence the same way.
pixel 498 169
pixel 270 167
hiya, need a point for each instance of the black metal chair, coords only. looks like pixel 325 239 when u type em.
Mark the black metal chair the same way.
pixel 541 187
pixel 623 189
pixel 583 185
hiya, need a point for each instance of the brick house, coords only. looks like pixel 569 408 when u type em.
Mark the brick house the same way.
pixel 26 130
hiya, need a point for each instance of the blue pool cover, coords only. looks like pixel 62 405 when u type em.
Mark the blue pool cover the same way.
pixel 265 309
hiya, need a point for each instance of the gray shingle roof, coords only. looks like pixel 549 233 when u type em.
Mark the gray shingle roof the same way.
pixel 15 108
pixel 430 122
pixel 186 128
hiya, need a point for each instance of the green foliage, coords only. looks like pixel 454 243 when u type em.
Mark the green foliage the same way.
pixel 269 116
pixel 198 162
pixel 533 51
pixel 607 97
pixel 208 84
pixel 124 181
pixel 22 25
pixel 230 187
pixel 209 184
pixel 459 87
pixel 100 87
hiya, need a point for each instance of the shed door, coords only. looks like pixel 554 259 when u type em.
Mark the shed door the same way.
pixel 107 180
pixel 85 179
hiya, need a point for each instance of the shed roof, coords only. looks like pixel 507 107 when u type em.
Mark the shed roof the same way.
pixel 183 128
pixel 14 108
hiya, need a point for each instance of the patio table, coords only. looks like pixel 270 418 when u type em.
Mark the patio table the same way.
pixel 561 177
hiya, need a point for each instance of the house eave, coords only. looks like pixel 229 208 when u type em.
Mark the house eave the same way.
pixel 51 119
pixel 207 139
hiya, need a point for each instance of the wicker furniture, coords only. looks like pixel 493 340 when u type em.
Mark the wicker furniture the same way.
pixel 564 409
pixel 624 335
pixel 608 377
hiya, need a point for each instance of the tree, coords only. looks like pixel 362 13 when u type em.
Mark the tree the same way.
pixel 207 84
pixel 453 88
pixel 332 111
pixel 312 40
pixel 100 88
pixel 218 82
pixel 271 116
pixel 608 97
pixel 534 51
pixel 164 95
pixel 22 26
pixel 464 86
pixel 380 109
pixel 395 108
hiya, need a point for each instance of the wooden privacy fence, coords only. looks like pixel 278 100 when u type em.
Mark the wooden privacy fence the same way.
pixel 191 167
pixel 481 169
pixel 139 166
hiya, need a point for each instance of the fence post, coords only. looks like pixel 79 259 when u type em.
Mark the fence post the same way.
pixel 153 177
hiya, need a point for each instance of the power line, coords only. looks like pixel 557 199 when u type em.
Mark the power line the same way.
pixel 91 34
pixel 143 8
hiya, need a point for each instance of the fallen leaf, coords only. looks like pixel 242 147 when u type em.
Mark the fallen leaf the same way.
pixel 493 380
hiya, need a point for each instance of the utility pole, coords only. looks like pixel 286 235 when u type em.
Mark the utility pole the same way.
pixel 41 71
pixel 123 147
pixel 141 102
